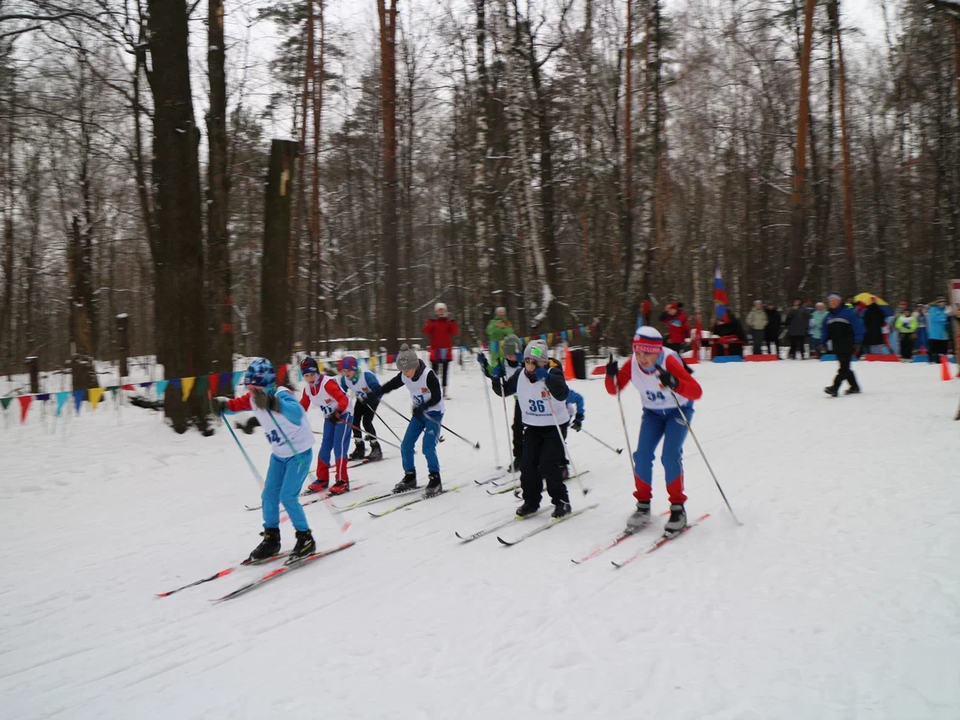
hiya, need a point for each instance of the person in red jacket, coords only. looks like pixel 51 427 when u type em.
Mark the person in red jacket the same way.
pixel 325 393
pixel 665 385
pixel 441 330
pixel 678 326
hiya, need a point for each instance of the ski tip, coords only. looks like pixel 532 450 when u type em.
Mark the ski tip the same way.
pixel 616 564
pixel 164 594
pixel 477 446
pixel 575 562
pixel 457 533
pixel 619 450
pixel 503 542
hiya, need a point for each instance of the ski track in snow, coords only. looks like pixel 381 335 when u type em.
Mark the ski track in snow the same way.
pixel 838 599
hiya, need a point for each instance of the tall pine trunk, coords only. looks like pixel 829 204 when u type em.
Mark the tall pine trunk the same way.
pixel 798 220
pixel 388 201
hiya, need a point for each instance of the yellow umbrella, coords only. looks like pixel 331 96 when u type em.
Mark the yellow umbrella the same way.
pixel 867 298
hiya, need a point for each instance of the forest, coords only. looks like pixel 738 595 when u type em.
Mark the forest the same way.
pixel 565 159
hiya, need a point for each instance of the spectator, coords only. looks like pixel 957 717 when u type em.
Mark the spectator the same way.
pixel 873 319
pixel 678 327
pixel 938 329
pixel 816 328
pixel 730 337
pixel 906 325
pixel 920 346
pixel 796 323
pixel 497 329
pixel 771 334
pixel 844 329
pixel 596 333
pixel 441 330
pixel 756 322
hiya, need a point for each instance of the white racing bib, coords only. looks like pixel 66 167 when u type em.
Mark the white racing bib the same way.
pixel 536 403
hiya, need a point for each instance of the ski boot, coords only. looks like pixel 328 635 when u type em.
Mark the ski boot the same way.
pixel 358 452
pixel 526 510
pixel 831 391
pixel 268 547
pixel 305 546
pixel 340 487
pixel 852 391
pixel 639 519
pixel 409 482
pixel 434 486
pixel 514 467
pixel 677 521
pixel 316 486
pixel 375 452
pixel 561 509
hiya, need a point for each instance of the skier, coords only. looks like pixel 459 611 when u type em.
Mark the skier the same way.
pixel 441 330
pixel 843 327
pixel 359 384
pixel 536 389
pixel 655 371
pixel 287 430
pixel 326 394
pixel 428 407
pixel 512 354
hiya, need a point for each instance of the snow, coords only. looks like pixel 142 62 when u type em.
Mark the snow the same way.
pixel 837 599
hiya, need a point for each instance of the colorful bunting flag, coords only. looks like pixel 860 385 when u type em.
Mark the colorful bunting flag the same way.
pixel 25 401
pixel 226 383
pixel 130 387
pixel 719 296
pixel 43 397
pixel 6 402
pixel 281 374
pixel 549 338
pixel 161 388
pixel 78 397
pixel 147 384
pixel 94 395
pixel 62 398
pixel 186 385
pixel 237 377
pixel 213 382
pixel 201 387
pixel 114 389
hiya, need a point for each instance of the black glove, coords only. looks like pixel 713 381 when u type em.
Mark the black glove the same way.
pixel 418 411
pixel 612 368
pixel 220 405
pixel 482 359
pixel 335 417
pixel 668 379
pixel 577 423
pixel 555 381
pixel 374 395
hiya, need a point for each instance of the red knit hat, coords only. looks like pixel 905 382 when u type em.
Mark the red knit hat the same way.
pixel 648 340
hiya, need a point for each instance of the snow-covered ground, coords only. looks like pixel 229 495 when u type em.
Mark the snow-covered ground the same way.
pixel 838 598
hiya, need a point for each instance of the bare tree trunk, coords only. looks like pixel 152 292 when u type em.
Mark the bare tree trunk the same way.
pixel 176 176
pixel 388 205
pixel 480 185
pixel 626 211
pixel 275 315
pixel 81 306
pixel 218 240
pixel 795 276
pixel 851 279
pixel 318 301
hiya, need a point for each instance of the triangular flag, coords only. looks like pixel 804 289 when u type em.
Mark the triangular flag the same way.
pixel 94 395
pixel 201 386
pixel 550 339
pixel 25 401
pixel 146 384
pixel 373 362
pixel 494 347
pixel 62 398
pixel 43 397
pixel 5 402
pixel 563 335
pixel 130 387
pixel 281 374
pixel 237 377
pixel 78 397
pixel 174 383
pixel 161 387
pixel 186 384
pixel 114 389
pixel 213 382
pixel 226 383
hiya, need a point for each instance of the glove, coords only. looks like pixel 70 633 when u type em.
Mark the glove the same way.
pixel 220 405
pixel 261 400
pixel 577 423
pixel 668 379
pixel 418 411
pixel 498 371
pixel 612 367
pixel 542 373
pixel 482 359
pixel 335 417
pixel 554 380
pixel 374 395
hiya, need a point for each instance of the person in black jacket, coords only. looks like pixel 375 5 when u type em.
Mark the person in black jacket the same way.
pixel 771 334
pixel 796 322
pixel 842 326
pixel 873 320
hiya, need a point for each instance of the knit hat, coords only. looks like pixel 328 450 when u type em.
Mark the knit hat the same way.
pixel 501 310
pixel 832 295
pixel 537 349
pixel 406 359
pixel 348 363
pixel 672 306
pixel 440 307
pixel 261 373
pixel 510 346
pixel 648 340
pixel 309 365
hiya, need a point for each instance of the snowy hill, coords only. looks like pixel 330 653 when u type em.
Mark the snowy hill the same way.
pixel 838 598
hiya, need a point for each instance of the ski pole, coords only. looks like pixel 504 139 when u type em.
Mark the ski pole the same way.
pixel 392 432
pixel 386 442
pixel 563 440
pixel 623 423
pixel 506 422
pixel 493 431
pixel 476 445
pixel 702 454
pixel 253 468
pixel 608 447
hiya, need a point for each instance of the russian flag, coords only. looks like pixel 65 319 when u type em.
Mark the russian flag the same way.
pixel 719 296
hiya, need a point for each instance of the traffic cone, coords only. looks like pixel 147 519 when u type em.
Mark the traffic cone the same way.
pixel 568 373
pixel 944 368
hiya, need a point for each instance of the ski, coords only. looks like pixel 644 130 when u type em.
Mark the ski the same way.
pixel 616 541
pixel 376 498
pixel 659 543
pixel 365 461
pixel 223 573
pixel 497 526
pixel 553 522
pixel 489 480
pixel 516 488
pixel 408 503
pixel 328 496
pixel 274 574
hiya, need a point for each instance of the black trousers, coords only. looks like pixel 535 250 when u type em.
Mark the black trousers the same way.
pixel 906 346
pixel 937 348
pixel 676 347
pixel 845 373
pixel 543 459
pixel 796 345
pixel 436 365
pixel 517 433
pixel 363 417
pixel 768 343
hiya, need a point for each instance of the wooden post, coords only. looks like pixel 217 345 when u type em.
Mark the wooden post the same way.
pixel 33 366
pixel 274 319
pixel 123 323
